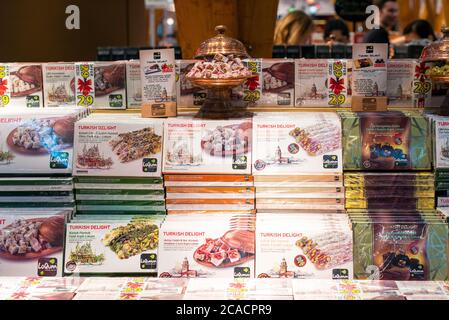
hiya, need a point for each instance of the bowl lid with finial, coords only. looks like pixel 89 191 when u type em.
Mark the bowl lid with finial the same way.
pixel 221 44
pixel 437 50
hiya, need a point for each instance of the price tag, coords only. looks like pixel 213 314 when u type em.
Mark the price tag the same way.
pixel 337 83
pixel 421 87
pixel 5 85
pixel 85 87
pixel 252 88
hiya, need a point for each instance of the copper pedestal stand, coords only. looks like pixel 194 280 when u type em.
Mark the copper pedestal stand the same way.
pixel 218 103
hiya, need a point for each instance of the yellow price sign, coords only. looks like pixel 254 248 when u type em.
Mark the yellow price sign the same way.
pixel 85 100
pixel 336 99
pixel 251 96
pixel 338 70
pixel 422 87
pixel 5 100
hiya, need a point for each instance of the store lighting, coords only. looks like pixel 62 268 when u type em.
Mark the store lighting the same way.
pixel 170 21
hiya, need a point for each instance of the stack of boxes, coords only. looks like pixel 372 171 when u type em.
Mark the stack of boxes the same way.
pixel 440 134
pixel 119 196
pixel 297 162
pixel 36 193
pixel 117 165
pixel 397 234
pixel 207 165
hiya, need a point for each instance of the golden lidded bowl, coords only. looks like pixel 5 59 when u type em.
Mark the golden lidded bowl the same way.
pixel 436 57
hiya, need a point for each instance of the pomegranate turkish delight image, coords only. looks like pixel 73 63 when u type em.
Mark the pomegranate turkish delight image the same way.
pixel 27 80
pixel 233 248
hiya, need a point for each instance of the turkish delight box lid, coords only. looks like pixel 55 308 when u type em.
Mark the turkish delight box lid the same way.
pixel 110 85
pixel 31 242
pixel 26 86
pixel 39 143
pixel 323 83
pixel 207 146
pixel 311 249
pixel 386 141
pixel 223 249
pixel 441 141
pixel 400 251
pixel 101 247
pixel 302 142
pixel 121 147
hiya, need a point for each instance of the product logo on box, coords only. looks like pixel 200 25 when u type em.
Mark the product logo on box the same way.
pixel 148 261
pixel 242 272
pixel 157 55
pixel 32 101
pixel 149 164
pixel 369 49
pixel 70 266
pixel 59 160
pixel 259 165
pixel 330 161
pixel 284 99
pixel 240 163
pixel 417 272
pixel 340 274
pixel 115 100
pixel 47 267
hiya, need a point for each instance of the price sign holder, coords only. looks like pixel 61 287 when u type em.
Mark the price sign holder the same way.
pixel 84 84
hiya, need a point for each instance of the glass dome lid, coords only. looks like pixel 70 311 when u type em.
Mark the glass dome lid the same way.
pixel 438 50
pixel 221 44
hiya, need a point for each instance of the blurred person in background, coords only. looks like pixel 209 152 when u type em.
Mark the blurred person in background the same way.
pixel 294 29
pixel 389 17
pixel 419 32
pixel 336 32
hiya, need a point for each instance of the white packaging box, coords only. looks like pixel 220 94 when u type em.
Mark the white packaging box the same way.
pixel 278 82
pixel 88 246
pixel 207 146
pixel 40 252
pixel 288 143
pixel 59 84
pixel 127 146
pixel 322 83
pixel 133 84
pixel 39 142
pixel 286 246
pixel 110 85
pixel 400 74
pixel 212 247
pixel 441 141
pixel 26 86
pixel 272 84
